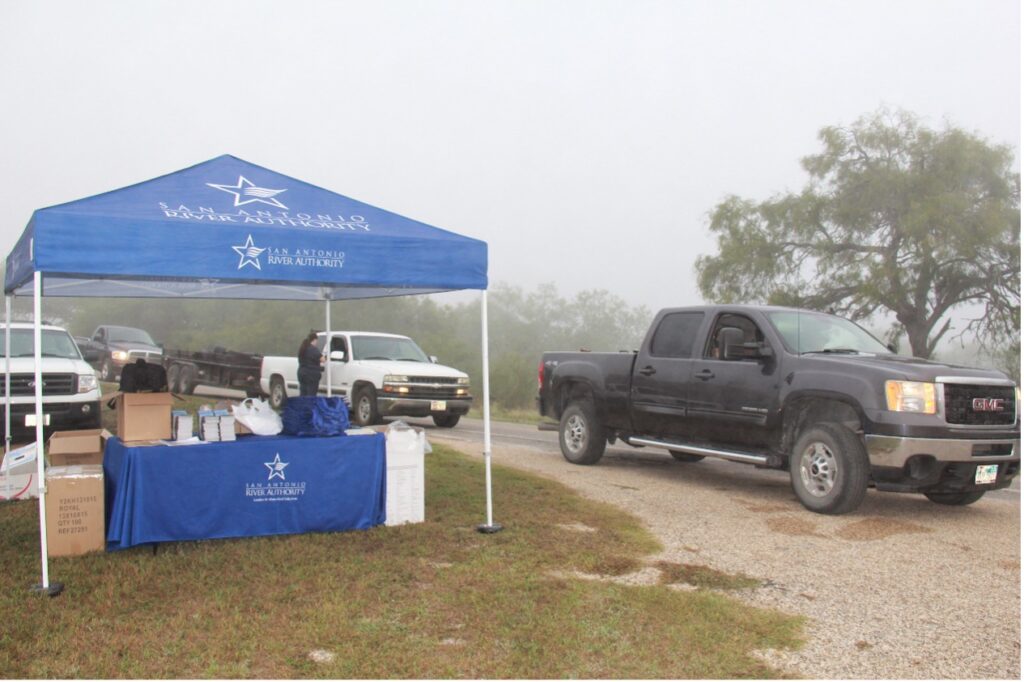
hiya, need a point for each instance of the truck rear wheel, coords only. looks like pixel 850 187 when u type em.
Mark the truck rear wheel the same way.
pixel 187 380
pixel 828 469
pixel 277 393
pixel 955 499
pixel 173 372
pixel 446 421
pixel 685 456
pixel 580 434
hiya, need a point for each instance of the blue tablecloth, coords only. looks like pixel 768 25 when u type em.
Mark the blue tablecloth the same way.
pixel 252 486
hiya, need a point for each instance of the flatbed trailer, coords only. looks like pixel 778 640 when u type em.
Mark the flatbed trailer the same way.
pixel 218 367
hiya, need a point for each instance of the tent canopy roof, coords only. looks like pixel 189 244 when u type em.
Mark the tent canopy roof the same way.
pixel 227 228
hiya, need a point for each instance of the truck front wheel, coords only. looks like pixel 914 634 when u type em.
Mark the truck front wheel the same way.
pixel 364 407
pixel 955 499
pixel 580 434
pixel 829 469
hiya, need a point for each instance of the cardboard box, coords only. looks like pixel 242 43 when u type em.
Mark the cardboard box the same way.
pixel 19 479
pixel 229 405
pixel 67 448
pixel 74 510
pixel 143 416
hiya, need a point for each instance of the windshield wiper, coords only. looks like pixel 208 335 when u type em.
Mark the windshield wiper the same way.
pixel 408 360
pixel 841 351
pixel 375 357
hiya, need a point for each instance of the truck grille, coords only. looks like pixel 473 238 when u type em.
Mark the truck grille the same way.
pixel 973 405
pixel 433 380
pixel 53 384
pixel 434 392
pixel 134 355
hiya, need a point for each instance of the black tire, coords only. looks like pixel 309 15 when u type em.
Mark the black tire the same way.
pixel 278 394
pixel 955 499
pixel 173 373
pixel 364 407
pixel 829 469
pixel 685 456
pixel 446 421
pixel 187 380
pixel 107 371
pixel 580 434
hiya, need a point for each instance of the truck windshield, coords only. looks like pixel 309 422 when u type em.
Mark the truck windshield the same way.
pixel 56 344
pixel 386 348
pixel 129 335
pixel 807 332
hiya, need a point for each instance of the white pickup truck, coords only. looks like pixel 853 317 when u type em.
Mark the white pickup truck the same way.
pixel 379 375
pixel 71 392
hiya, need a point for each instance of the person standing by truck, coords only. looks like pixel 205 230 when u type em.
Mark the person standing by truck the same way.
pixel 310 361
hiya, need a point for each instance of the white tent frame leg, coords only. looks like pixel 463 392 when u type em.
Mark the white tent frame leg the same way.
pixel 490 526
pixel 45 586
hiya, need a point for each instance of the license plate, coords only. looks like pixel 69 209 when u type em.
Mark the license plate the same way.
pixel 986 473
pixel 438 405
pixel 30 419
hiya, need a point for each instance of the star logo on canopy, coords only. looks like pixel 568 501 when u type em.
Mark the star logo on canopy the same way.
pixel 251 192
pixel 276 467
pixel 250 254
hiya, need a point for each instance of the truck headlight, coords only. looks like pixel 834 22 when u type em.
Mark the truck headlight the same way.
pixel 463 381
pixel 910 396
pixel 119 355
pixel 395 379
pixel 86 383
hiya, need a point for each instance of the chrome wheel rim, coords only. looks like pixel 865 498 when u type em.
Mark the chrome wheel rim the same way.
pixel 364 409
pixel 575 433
pixel 818 469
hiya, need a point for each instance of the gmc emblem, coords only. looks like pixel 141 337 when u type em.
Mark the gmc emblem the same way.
pixel 988 404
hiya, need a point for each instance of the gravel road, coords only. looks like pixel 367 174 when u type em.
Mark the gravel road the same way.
pixel 902 588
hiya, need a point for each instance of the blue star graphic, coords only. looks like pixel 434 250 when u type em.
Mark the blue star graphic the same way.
pixel 250 254
pixel 276 467
pixel 251 192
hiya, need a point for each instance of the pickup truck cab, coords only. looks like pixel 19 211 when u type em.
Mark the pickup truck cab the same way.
pixel 379 375
pixel 112 347
pixel 790 389
pixel 71 393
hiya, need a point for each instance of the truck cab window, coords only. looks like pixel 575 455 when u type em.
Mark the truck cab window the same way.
pixel 675 335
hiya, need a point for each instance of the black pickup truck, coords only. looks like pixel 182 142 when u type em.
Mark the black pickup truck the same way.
pixel 792 389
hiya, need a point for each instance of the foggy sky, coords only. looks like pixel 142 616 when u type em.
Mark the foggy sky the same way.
pixel 585 141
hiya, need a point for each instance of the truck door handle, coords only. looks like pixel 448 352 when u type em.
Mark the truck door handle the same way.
pixel 647 371
pixel 705 374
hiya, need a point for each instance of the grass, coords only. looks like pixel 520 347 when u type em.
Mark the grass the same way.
pixel 430 600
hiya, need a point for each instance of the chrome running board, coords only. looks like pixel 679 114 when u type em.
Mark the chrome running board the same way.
pixel 731 455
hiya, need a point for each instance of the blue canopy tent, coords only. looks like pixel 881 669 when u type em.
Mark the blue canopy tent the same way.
pixel 227 228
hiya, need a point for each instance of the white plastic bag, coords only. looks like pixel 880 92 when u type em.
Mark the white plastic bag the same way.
pixel 258 416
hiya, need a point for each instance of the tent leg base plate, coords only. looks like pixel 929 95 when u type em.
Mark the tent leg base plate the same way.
pixel 489 529
pixel 52 591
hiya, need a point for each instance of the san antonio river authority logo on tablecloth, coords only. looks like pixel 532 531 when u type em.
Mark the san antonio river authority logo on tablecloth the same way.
pixel 277 488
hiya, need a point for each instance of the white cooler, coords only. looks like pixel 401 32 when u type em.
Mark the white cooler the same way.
pixel 18 474
pixel 405 449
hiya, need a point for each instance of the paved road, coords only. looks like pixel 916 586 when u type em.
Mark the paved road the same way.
pixel 527 436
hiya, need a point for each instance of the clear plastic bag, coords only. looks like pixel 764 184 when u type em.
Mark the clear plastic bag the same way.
pixel 258 416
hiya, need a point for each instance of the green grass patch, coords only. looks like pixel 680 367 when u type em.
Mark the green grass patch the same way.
pixel 430 600
pixel 704 577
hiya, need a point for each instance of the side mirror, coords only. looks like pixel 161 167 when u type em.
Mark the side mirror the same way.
pixel 433 359
pixel 748 351
pixel 90 354
pixel 337 355
pixel 892 348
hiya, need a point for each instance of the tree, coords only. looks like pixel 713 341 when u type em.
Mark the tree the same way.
pixel 896 218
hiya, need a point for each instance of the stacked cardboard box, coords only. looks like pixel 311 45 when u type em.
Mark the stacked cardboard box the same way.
pixel 74 492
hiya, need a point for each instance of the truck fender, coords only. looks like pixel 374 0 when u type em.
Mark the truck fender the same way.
pixel 803 408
